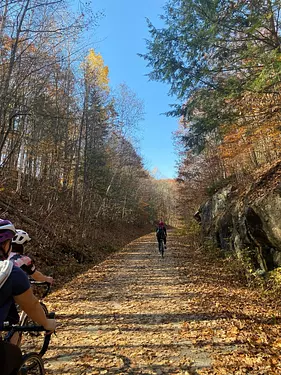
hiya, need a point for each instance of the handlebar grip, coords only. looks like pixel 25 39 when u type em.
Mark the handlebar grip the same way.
pixel 15 328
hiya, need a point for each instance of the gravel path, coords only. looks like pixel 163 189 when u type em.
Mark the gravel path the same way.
pixel 137 313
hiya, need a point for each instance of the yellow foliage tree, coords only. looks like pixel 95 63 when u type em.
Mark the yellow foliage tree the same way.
pixel 95 70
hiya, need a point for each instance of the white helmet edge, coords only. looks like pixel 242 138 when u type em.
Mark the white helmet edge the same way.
pixel 21 237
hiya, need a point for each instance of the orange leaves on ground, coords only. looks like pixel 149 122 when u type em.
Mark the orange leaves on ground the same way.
pixel 139 314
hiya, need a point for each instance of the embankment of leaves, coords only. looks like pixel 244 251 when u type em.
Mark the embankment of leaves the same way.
pixel 240 327
pixel 57 246
pixel 236 270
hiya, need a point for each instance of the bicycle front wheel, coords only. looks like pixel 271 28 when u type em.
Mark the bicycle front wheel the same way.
pixel 32 365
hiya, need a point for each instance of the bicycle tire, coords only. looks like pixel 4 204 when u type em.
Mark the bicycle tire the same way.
pixel 32 365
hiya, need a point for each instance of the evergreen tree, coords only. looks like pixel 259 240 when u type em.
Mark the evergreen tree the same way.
pixel 212 53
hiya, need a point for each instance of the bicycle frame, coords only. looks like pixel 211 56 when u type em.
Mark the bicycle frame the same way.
pixel 29 360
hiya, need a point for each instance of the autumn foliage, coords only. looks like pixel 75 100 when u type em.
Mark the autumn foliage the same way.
pixel 67 138
pixel 222 61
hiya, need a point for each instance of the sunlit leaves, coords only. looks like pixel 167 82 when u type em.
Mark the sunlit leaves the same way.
pixel 135 313
pixel 95 70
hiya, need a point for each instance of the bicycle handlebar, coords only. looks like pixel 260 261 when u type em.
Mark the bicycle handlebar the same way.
pixel 15 328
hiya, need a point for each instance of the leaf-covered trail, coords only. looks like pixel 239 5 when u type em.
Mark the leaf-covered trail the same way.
pixel 136 313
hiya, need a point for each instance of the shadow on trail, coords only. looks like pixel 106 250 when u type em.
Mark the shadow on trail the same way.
pixel 98 353
pixel 154 319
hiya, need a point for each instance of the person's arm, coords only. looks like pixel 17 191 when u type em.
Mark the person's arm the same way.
pixel 38 276
pixel 28 267
pixel 31 306
pixel 23 295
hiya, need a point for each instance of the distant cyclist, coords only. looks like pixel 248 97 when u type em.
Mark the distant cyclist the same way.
pixel 23 261
pixel 161 233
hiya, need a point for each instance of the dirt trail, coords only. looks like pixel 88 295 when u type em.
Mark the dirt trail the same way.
pixel 136 313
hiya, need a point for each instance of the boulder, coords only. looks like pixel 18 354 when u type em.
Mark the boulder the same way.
pixel 247 221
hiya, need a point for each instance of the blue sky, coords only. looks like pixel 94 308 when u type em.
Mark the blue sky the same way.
pixel 118 38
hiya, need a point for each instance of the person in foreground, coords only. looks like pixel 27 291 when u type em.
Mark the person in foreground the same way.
pixel 15 288
pixel 161 233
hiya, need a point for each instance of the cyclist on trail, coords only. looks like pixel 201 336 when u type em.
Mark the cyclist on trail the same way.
pixel 15 288
pixel 161 233
pixel 23 261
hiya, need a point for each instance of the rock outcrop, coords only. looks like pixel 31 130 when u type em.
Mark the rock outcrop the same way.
pixel 247 222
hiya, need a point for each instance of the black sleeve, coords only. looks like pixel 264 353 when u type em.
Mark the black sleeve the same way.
pixel 29 269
